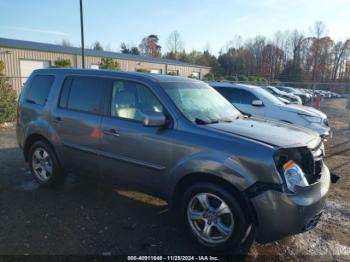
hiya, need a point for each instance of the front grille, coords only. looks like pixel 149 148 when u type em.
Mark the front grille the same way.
pixel 317 155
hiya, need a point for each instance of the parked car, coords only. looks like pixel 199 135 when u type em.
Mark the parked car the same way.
pixel 287 102
pixel 179 139
pixel 258 102
pixel 293 99
pixel 305 97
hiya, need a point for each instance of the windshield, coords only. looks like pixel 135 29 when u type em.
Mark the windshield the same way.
pixel 268 96
pixel 275 90
pixel 200 103
pixel 288 89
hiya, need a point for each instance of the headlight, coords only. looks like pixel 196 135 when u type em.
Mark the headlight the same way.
pixel 293 175
pixel 311 119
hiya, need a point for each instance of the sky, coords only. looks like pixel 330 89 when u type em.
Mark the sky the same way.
pixel 202 23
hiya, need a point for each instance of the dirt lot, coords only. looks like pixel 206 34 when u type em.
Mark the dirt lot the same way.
pixel 85 217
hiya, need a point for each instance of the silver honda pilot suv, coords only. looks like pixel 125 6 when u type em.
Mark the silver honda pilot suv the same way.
pixel 227 175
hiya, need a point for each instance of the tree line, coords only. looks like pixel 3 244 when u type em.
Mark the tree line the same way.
pixel 289 56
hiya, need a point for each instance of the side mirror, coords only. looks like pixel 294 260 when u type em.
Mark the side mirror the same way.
pixel 257 103
pixel 154 119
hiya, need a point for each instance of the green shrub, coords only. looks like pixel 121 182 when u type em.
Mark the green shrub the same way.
pixel 242 78
pixel 209 77
pixel 219 78
pixel 143 70
pixel 62 63
pixel 109 63
pixel 8 98
pixel 232 78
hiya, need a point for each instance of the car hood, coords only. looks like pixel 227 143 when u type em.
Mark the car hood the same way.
pixel 268 131
pixel 293 96
pixel 305 110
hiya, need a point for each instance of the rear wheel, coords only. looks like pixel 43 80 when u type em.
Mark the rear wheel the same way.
pixel 213 216
pixel 44 165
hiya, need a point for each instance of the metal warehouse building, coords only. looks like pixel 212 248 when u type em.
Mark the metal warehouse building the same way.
pixel 22 57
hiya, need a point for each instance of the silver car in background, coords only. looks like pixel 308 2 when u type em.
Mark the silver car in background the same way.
pixel 258 102
pixel 293 99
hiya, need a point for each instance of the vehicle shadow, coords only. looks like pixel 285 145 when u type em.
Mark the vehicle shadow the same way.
pixel 84 217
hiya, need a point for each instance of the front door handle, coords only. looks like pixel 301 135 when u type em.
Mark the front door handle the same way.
pixel 58 120
pixel 112 132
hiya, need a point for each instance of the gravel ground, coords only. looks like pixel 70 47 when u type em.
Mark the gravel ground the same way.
pixel 85 217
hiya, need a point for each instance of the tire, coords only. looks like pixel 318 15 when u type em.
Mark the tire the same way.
pixel 214 194
pixel 44 165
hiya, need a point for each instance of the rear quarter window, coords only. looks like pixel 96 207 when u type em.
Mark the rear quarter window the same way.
pixel 39 89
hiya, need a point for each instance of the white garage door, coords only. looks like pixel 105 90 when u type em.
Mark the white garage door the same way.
pixel 95 66
pixel 196 75
pixel 156 71
pixel 28 66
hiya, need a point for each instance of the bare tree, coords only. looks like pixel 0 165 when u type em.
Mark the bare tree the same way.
pixel 341 52
pixel 66 43
pixel 318 31
pixel 236 42
pixel 174 43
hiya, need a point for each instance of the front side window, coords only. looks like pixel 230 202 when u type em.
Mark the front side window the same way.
pixel 233 95
pixel 83 94
pixel 200 103
pixel 39 89
pixel 131 100
pixel 247 98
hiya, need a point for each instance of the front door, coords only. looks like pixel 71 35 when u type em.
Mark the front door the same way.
pixel 134 153
pixel 244 100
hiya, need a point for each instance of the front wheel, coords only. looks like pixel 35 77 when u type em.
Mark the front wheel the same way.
pixel 213 216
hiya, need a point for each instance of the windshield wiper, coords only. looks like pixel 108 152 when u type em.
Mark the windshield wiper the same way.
pixel 203 122
pixel 226 120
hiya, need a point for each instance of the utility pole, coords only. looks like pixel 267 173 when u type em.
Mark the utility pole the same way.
pixel 82 34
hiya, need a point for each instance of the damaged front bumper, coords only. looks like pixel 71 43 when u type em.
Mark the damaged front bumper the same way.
pixel 280 214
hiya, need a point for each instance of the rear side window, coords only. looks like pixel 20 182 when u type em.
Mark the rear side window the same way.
pixel 39 89
pixel 85 94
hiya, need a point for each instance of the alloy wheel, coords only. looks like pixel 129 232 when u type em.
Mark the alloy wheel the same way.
pixel 42 164
pixel 210 218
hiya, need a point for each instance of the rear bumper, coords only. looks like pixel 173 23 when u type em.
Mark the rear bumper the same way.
pixel 280 214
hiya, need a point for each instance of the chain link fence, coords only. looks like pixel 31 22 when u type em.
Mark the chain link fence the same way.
pixel 17 83
pixel 322 90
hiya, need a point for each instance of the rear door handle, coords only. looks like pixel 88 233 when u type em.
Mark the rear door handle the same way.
pixel 112 132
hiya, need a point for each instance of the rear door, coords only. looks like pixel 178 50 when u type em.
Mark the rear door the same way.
pixel 77 121
pixel 134 153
